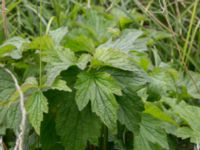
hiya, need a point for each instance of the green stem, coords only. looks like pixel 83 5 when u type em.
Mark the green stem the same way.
pixel 40 57
pixel 57 10
pixel 189 30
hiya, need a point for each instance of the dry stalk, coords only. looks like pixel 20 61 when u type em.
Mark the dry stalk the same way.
pixel 20 137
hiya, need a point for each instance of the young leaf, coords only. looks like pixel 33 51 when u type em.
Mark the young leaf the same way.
pixel 36 105
pixel 99 88
pixel 113 58
pixel 150 133
pixel 75 127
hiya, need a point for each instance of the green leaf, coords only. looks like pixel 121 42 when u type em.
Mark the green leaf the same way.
pixel 126 42
pixel 10 118
pixel 150 134
pixel 80 43
pixel 7 86
pixel 58 34
pixel 130 110
pixel 185 132
pixel 57 61
pixel 155 111
pixel 97 24
pixel 36 105
pixel 192 84
pixel 75 127
pixel 113 58
pixel 132 81
pixel 83 60
pixel 60 85
pixel 44 42
pixel 49 138
pixel 99 88
pixel 191 114
pixel 162 82
pixel 13 47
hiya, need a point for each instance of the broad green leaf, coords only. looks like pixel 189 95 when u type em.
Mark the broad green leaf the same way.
pixel 60 85
pixel 186 132
pixel 13 47
pixel 75 127
pixel 99 88
pixel 57 61
pixel 155 111
pixel 130 110
pixel 132 81
pixel 150 134
pixel 29 84
pixel 58 34
pixel 83 60
pixel 44 42
pixel 162 82
pixel 113 58
pixel 36 105
pixel 10 118
pixel 191 114
pixel 192 84
pixel 128 41
pixel 7 86
pixel 80 43
pixel 142 59
pixel 48 137
pixel 97 24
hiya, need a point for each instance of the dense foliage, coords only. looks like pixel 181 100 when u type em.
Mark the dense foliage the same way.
pixel 97 77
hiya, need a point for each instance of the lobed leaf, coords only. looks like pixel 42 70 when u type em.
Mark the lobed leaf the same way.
pixel 99 88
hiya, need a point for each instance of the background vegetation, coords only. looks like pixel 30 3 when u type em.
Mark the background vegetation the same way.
pixel 100 74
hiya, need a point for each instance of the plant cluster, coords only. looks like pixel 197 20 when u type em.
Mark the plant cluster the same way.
pixel 96 83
